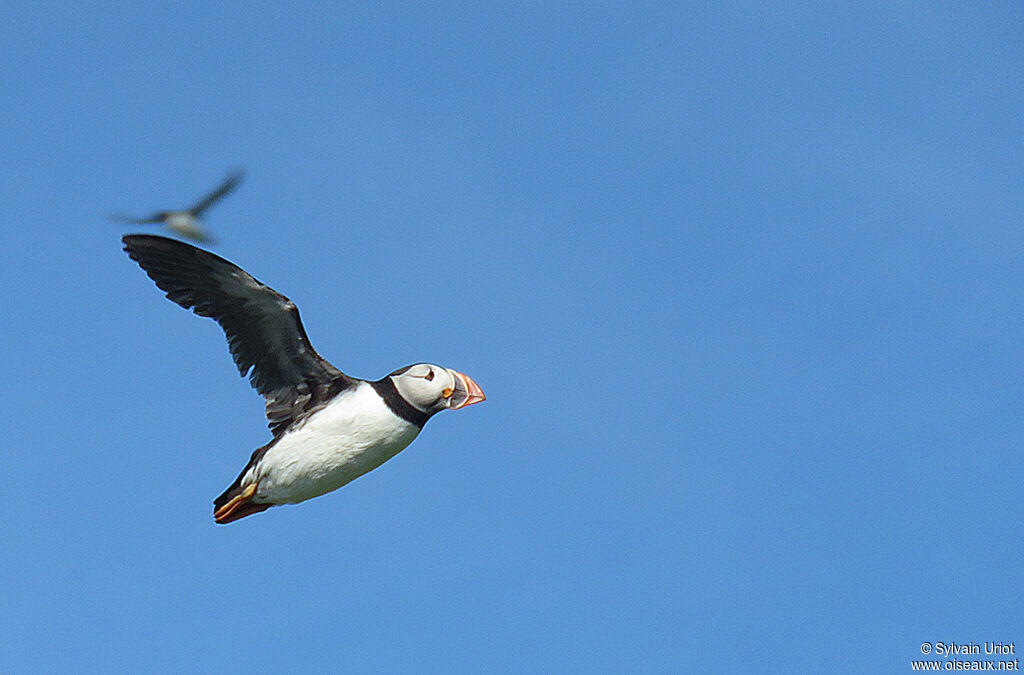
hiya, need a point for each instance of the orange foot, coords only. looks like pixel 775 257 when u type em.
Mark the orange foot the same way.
pixel 239 506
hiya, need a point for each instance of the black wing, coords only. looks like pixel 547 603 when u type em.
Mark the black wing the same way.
pixel 265 334
pixel 229 184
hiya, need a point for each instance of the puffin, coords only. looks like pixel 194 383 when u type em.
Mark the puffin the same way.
pixel 327 428
pixel 186 222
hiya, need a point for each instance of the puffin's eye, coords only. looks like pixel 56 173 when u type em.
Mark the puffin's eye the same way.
pixel 429 375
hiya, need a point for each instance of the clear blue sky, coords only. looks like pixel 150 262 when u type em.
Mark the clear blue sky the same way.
pixel 743 286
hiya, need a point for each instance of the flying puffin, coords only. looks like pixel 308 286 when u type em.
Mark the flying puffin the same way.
pixel 185 222
pixel 328 428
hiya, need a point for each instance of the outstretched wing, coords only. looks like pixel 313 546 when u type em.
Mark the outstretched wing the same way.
pixel 156 218
pixel 265 334
pixel 229 184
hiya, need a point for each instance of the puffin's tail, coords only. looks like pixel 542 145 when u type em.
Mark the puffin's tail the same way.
pixel 236 502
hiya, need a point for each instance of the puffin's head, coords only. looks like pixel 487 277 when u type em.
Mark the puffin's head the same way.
pixel 432 388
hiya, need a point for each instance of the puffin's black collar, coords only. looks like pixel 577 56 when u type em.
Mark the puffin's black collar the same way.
pixel 389 392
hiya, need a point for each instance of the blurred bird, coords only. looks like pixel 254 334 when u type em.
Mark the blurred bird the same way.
pixel 186 222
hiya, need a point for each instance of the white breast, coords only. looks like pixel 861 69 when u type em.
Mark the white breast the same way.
pixel 354 434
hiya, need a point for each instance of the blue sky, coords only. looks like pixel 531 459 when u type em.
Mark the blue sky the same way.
pixel 742 284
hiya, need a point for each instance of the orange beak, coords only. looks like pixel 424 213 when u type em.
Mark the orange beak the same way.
pixel 467 392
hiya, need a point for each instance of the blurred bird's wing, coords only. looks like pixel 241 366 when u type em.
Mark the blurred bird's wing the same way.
pixel 229 184
pixel 156 218
pixel 264 332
